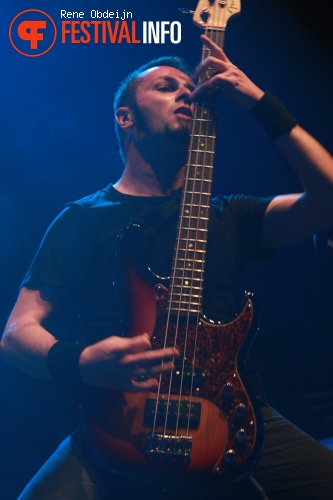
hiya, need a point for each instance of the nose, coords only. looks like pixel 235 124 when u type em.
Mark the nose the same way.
pixel 184 95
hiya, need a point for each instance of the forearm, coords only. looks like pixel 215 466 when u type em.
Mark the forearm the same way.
pixel 293 217
pixel 25 345
pixel 314 167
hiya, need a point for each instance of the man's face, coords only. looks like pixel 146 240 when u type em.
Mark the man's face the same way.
pixel 162 104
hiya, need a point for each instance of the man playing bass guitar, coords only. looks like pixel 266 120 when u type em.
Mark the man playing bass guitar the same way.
pixel 154 110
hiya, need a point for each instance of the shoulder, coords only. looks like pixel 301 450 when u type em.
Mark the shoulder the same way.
pixel 240 205
pixel 103 198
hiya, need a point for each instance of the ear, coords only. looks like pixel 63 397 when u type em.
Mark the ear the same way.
pixel 124 117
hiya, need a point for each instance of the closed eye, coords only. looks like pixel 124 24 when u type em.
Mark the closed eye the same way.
pixel 164 88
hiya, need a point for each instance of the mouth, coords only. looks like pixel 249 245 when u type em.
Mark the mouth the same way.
pixel 185 111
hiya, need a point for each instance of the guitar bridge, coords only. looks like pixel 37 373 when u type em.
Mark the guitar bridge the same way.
pixel 169 450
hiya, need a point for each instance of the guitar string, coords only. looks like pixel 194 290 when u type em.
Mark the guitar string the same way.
pixel 188 202
pixel 193 293
pixel 206 168
pixel 193 271
pixel 204 54
pixel 180 292
pixel 210 140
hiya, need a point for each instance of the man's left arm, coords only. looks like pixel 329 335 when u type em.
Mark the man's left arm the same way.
pixel 292 217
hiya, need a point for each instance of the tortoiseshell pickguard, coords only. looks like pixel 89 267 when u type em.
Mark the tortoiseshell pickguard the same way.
pixel 214 349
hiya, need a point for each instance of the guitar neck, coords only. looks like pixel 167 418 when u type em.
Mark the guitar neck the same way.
pixel 186 285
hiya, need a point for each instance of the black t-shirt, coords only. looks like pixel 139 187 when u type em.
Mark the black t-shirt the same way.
pixel 74 266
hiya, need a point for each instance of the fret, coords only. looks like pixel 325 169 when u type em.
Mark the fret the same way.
pixel 191 242
pixel 200 170
pixel 203 140
pixel 188 300
pixel 190 224
pixel 202 217
pixel 195 208
pixel 180 281
pixel 200 151
pixel 200 135
pixel 191 251
pixel 200 193
pixel 189 263
pixel 188 293
pixel 176 309
pixel 194 260
pixel 201 248
pixel 187 276
pixel 196 268
pixel 187 290
pixel 201 159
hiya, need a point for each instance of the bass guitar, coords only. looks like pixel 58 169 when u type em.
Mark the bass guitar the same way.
pixel 202 421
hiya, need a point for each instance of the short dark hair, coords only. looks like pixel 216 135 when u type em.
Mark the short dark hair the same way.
pixel 125 95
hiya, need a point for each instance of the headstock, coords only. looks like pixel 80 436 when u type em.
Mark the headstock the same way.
pixel 214 14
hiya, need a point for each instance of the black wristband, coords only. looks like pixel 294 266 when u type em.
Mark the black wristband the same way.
pixel 273 116
pixel 63 361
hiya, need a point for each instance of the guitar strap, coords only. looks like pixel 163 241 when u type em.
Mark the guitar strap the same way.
pixel 153 219
pixel 156 239
pixel 163 211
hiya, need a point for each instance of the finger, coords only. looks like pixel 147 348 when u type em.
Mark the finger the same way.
pixel 150 384
pixel 166 366
pixel 139 343
pixel 206 66
pixel 151 358
pixel 156 370
pixel 217 82
pixel 120 346
pixel 215 50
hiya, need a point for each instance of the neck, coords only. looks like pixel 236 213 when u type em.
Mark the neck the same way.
pixel 145 183
pixel 156 173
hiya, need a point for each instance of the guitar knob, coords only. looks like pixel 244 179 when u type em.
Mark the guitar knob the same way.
pixel 230 458
pixel 241 438
pixel 227 392
pixel 227 396
pixel 240 415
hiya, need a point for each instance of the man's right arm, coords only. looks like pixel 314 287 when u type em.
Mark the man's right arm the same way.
pixel 25 343
pixel 117 363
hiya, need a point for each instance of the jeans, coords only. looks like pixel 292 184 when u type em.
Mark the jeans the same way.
pixel 293 466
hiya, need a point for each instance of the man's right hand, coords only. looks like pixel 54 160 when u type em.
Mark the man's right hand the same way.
pixel 127 364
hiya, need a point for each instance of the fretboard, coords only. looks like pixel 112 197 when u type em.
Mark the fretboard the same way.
pixel 186 287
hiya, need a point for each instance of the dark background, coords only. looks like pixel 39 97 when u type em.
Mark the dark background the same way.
pixel 57 144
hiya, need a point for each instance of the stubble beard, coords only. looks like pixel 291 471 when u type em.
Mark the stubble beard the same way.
pixel 169 145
